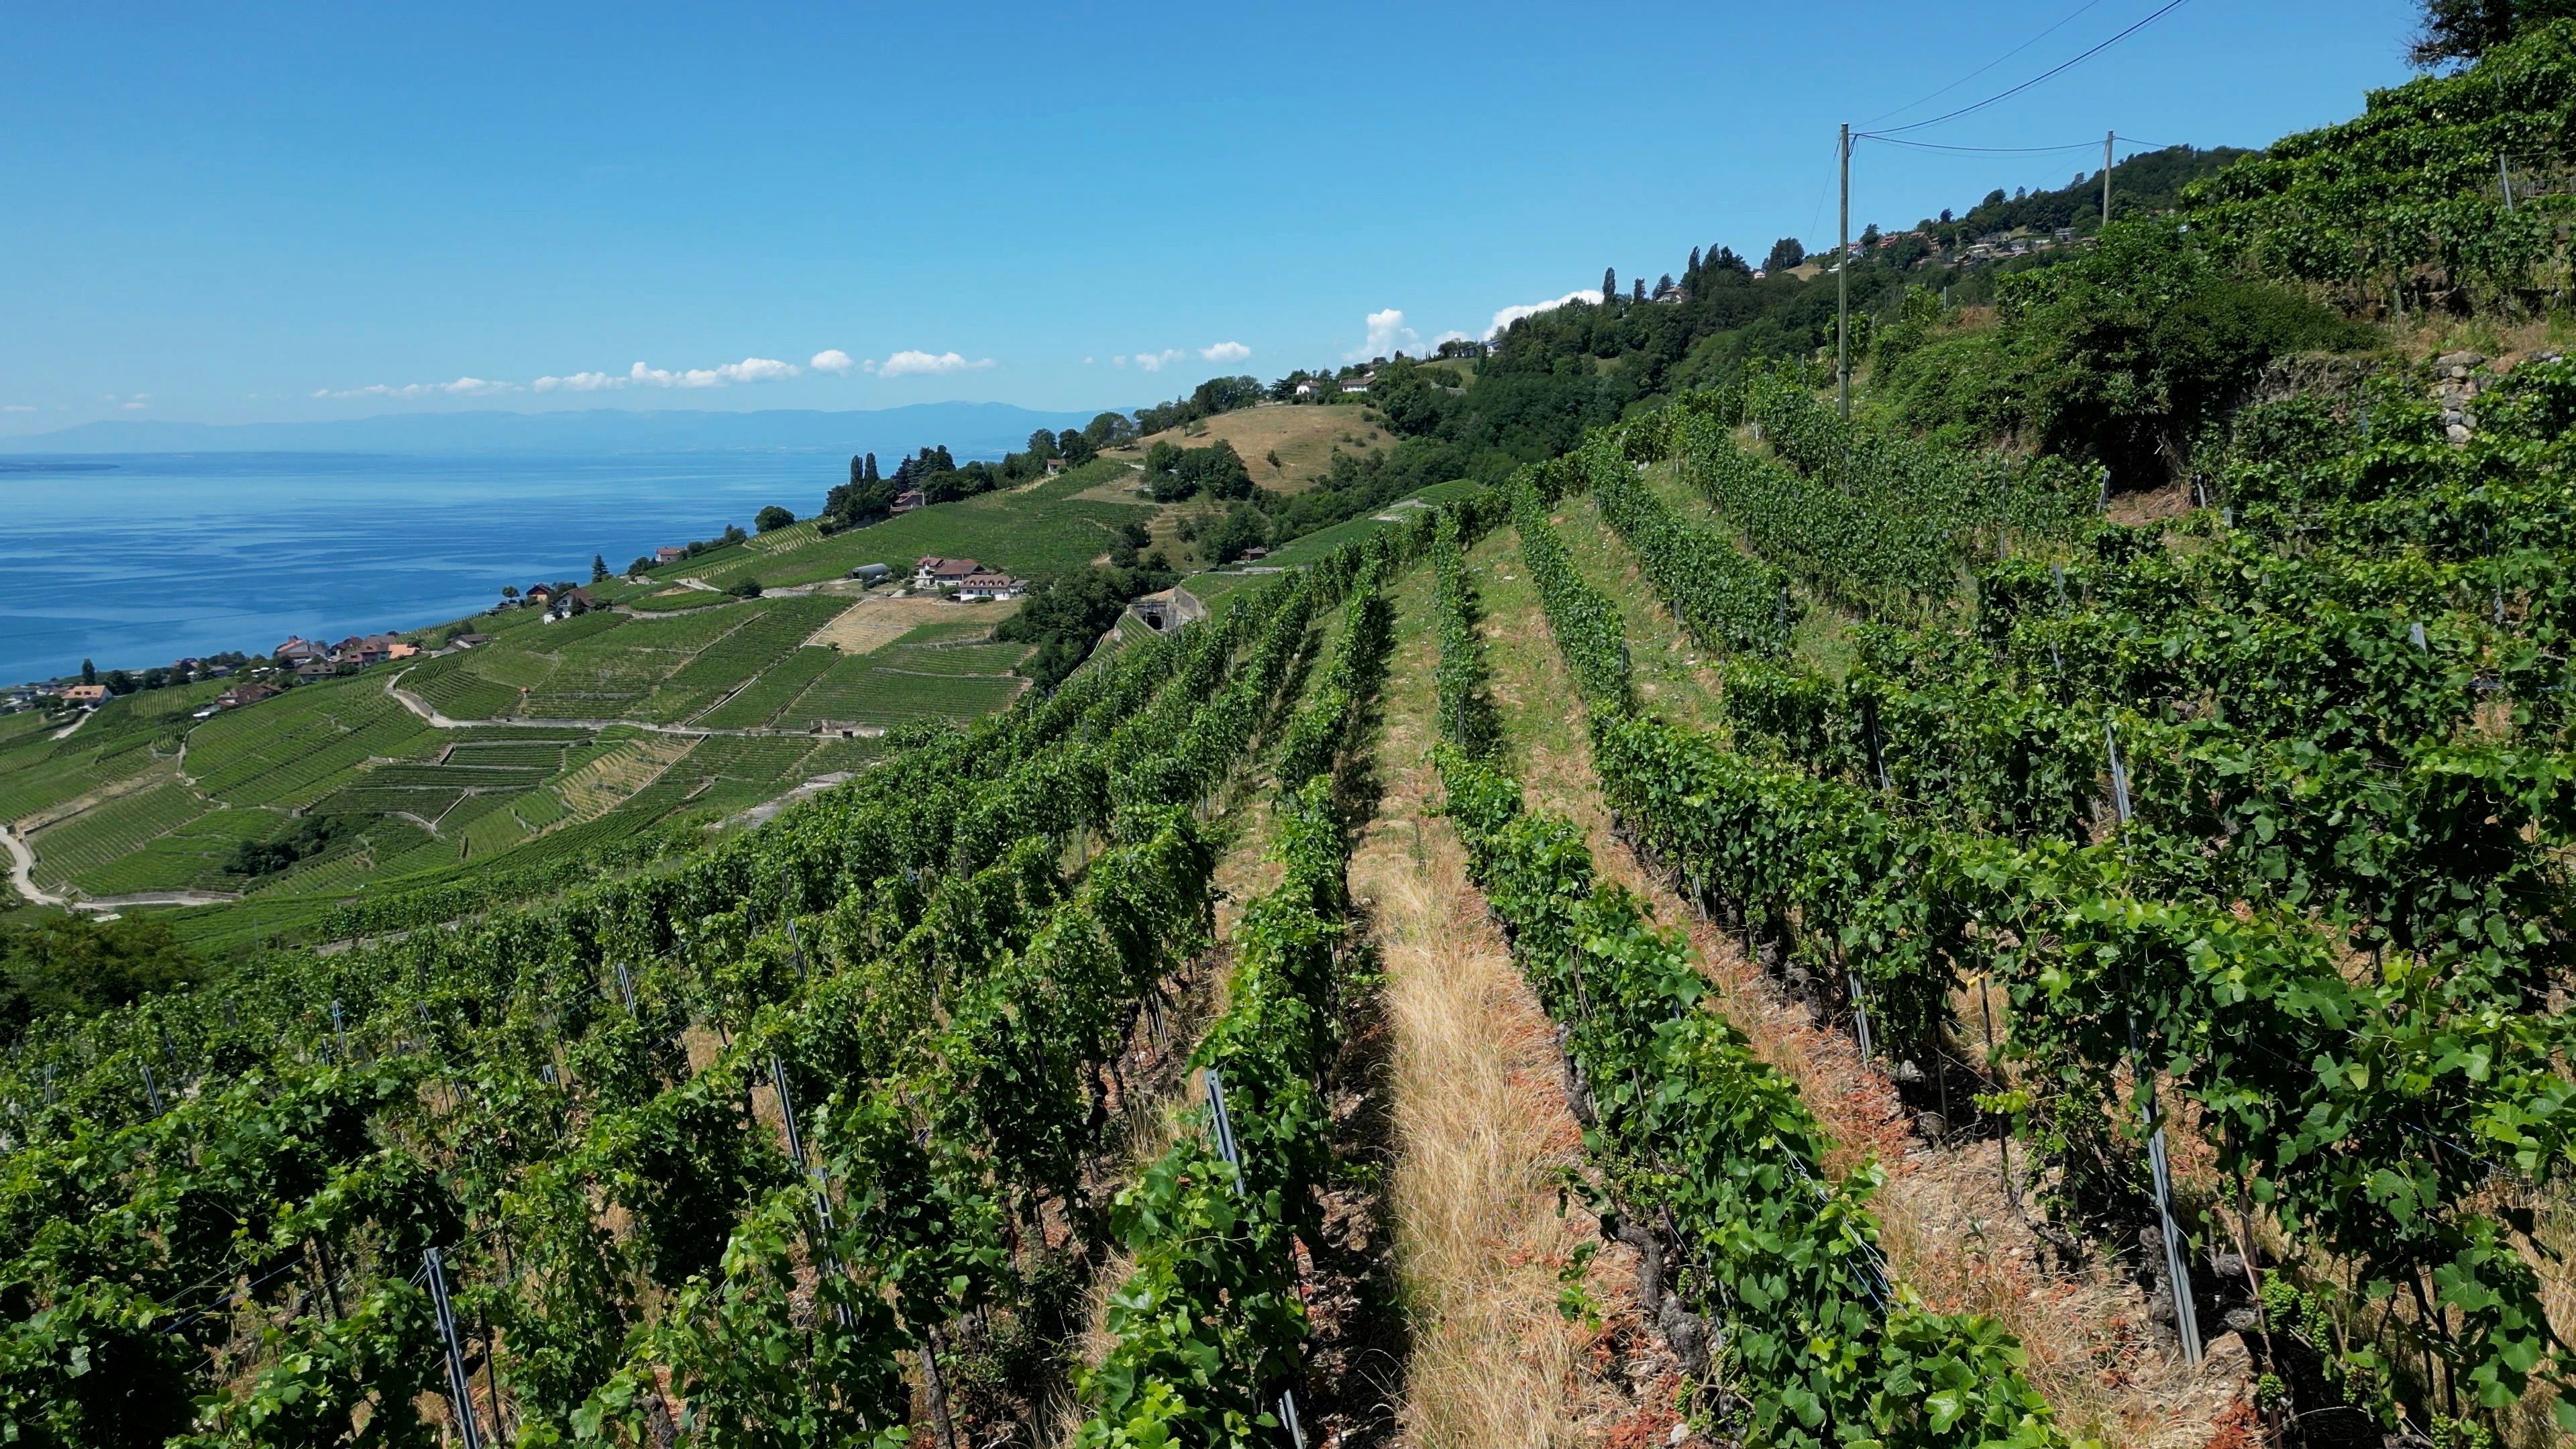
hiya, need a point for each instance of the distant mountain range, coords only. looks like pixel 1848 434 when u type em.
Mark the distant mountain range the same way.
pixel 984 429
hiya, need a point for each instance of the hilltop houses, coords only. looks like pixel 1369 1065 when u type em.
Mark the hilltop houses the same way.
pixel 570 603
pixel 976 587
pixel 944 573
pixel 965 580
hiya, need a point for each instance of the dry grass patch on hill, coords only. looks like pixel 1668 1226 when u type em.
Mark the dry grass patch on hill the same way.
pixel 1305 438
pixel 872 624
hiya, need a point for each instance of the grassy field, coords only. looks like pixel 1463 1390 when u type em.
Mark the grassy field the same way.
pixel 872 691
pixel 97 838
pixel 1216 585
pixel 1043 528
pixel 1304 438
pixel 759 701
pixel 297 748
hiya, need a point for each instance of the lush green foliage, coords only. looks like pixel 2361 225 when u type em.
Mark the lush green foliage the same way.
pixel 2406 203
pixel 1690 1125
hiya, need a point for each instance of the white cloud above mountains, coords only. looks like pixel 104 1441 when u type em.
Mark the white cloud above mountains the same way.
pixel 1157 361
pixel 750 369
pixel 831 359
pixel 462 387
pixel 917 364
pixel 1510 315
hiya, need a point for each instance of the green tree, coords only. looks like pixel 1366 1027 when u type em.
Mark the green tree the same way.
pixel 73 966
pixel 1609 285
pixel 89 672
pixel 1067 617
pixel 2122 356
pixel 599 568
pixel 1787 252
pixel 2464 30
pixel 772 518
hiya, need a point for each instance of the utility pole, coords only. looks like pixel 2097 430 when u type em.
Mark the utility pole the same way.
pixel 1842 286
pixel 2107 138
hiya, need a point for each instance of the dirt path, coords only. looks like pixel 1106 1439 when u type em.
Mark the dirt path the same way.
pixel 1950 1231
pixel 22 867
pixel 1481 1135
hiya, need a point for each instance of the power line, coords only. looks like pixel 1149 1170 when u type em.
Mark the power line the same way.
pixel 1989 65
pixel 1981 150
pixel 2060 69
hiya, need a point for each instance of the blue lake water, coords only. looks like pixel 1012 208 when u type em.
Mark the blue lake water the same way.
pixel 160 556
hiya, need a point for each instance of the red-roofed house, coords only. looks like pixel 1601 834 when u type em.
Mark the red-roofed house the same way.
pixel 988 586
pixel 944 573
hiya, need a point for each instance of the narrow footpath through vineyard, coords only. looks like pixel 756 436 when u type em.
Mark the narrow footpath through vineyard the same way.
pixel 1950 1231
pixel 1490 1261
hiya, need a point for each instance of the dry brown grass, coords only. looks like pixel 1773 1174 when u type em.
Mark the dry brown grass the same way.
pixel 1305 438
pixel 1481 1126
pixel 1481 1130
pixel 872 624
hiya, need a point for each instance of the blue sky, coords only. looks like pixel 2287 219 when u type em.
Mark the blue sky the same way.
pixel 243 212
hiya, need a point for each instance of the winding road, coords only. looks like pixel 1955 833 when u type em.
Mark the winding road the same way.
pixel 22 870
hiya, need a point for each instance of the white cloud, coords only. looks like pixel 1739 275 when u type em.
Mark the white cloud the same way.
pixel 750 369
pixel 578 382
pixel 1156 361
pixel 1226 352
pixel 16 408
pixel 462 387
pixel 1086 362
pixel 831 359
pixel 1510 315
pixel 909 363
pixel 1386 334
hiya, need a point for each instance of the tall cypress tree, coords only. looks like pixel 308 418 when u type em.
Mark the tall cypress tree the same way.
pixel 873 474
pixel 1693 269
pixel 1609 285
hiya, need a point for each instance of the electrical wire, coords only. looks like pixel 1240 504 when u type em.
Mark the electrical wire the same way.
pixel 1978 150
pixel 2059 69
pixel 1989 65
